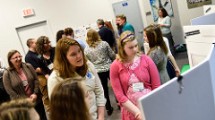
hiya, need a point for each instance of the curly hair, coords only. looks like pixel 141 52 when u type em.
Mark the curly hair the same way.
pixel 40 44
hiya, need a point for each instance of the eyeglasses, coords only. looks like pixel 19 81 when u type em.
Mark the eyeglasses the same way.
pixel 47 42
pixel 15 58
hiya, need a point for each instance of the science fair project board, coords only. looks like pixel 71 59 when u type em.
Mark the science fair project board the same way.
pixel 189 98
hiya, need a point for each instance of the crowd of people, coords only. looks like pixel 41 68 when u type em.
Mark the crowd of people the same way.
pixel 70 81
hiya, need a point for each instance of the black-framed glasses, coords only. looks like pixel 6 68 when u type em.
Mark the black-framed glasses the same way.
pixel 47 42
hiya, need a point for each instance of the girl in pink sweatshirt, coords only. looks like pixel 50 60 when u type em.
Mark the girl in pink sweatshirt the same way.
pixel 132 76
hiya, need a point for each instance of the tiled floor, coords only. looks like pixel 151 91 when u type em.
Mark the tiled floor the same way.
pixel 181 59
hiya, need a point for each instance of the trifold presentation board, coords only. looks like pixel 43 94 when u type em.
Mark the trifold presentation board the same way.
pixel 208 19
pixel 195 101
pixel 199 39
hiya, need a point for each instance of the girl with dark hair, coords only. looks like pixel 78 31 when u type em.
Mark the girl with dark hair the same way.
pixel 158 50
pixel 60 34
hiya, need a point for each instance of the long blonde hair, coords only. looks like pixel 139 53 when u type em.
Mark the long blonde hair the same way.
pixel 93 38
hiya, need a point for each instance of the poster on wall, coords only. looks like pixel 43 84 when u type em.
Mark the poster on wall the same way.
pixel 156 4
pixel 81 32
pixel 197 3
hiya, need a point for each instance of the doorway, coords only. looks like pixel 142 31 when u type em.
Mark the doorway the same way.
pixel 34 30
pixel 130 8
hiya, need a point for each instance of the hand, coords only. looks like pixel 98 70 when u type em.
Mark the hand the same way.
pixel 161 25
pixel 33 97
pixel 47 76
pixel 138 116
pixel 38 70
pixel 177 72
pixel 100 118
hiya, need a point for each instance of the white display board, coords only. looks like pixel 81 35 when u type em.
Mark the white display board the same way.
pixel 195 102
pixel 81 32
pixel 204 20
pixel 199 39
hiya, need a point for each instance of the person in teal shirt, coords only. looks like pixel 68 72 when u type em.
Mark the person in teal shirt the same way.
pixel 123 25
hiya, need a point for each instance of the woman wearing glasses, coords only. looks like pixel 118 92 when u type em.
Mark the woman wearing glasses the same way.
pixel 20 80
pixel 132 76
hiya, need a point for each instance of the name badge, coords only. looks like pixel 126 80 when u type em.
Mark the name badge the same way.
pixel 50 66
pixel 24 83
pixel 137 87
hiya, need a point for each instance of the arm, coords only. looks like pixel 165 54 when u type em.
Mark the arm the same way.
pixel 101 112
pixel 33 97
pixel 118 90
pixel 111 53
pixel 172 59
pixel 52 82
pixel 177 70
pixel 36 82
pixel 115 82
pixel 99 92
pixel 8 86
pixel 128 105
pixel 167 22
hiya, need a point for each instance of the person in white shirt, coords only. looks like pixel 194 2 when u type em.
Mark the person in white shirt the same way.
pixel 164 22
pixel 169 54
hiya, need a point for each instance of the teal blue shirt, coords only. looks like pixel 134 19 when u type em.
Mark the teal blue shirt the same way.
pixel 128 27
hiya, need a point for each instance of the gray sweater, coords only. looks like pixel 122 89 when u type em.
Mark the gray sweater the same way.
pixel 13 84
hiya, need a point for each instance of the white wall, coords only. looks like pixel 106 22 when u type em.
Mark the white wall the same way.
pixel 182 16
pixel 185 15
pixel 74 13
pixel 59 13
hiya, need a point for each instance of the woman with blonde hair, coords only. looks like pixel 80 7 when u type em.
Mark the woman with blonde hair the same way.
pixel 132 76
pixel 19 109
pixel 101 55
pixel 74 102
pixel 70 62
